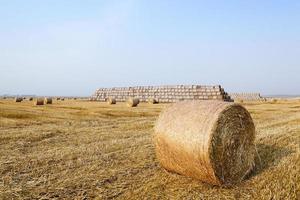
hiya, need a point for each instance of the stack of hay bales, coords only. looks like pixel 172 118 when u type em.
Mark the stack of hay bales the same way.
pixel 132 102
pixel 165 94
pixel 111 101
pixel 48 100
pixel 18 99
pixel 39 102
pixel 212 141
pixel 246 96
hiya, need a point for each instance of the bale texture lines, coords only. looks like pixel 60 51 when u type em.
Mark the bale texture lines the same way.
pixel 212 141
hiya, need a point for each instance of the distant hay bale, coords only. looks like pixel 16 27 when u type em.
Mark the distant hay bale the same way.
pixel 39 102
pixel 132 102
pixel 274 100
pixel 111 101
pixel 18 99
pixel 57 98
pixel 212 141
pixel 62 99
pixel 30 98
pixel 48 100
pixel 152 101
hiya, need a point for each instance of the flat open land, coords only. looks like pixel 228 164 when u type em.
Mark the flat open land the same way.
pixel 76 149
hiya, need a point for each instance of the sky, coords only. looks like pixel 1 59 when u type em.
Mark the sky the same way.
pixel 71 48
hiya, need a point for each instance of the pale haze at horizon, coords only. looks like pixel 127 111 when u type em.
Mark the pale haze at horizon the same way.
pixel 74 47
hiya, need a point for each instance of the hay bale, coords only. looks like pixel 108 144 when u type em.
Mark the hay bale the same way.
pixel 30 98
pixel 152 101
pixel 48 100
pixel 39 102
pixel 62 99
pixel 111 101
pixel 18 99
pixel 132 102
pixel 57 98
pixel 212 141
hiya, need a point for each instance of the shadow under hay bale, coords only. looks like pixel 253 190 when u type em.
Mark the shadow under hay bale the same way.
pixel 132 102
pixel 212 141
pixel 268 156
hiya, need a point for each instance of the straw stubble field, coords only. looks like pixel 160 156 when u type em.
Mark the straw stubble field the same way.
pixel 77 149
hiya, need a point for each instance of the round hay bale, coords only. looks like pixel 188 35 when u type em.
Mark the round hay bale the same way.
pixel 30 98
pixel 111 101
pixel 48 100
pixel 57 98
pixel 132 102
pixel 152 101
pixel 62 99
pixel 39 102
pixel 18 99
pixel 212 141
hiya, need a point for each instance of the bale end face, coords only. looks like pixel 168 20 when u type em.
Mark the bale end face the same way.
pixel 212 141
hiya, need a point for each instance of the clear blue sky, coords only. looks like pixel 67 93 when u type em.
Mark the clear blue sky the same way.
pixel 56 47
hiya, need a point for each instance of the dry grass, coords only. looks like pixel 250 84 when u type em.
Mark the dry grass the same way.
pixel 77 149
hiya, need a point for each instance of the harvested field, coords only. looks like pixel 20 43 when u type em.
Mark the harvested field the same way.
pixel 77 149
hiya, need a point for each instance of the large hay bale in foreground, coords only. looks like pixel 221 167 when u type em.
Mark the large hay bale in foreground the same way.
pixel 212 141
pixel 18 99
pixel 48 100
pixel 39 102
pixel 132 102
pixel 111 101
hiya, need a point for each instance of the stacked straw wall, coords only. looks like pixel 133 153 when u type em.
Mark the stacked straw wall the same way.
pixel 246 96
pixel 164 94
